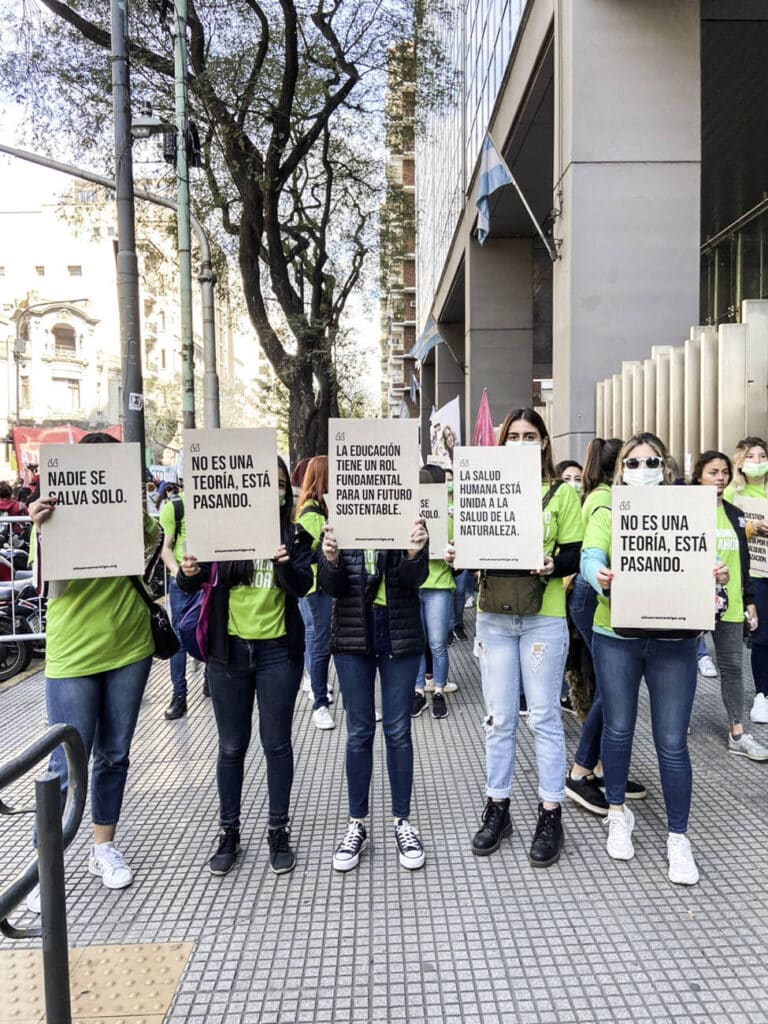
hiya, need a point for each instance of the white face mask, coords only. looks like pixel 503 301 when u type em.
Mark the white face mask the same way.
pixel 752 469
pixel 523 444
pixel 576 485
pixel 643 477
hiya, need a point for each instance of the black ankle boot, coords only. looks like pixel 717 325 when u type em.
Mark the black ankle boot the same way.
pixel 547 839
pixel 496 825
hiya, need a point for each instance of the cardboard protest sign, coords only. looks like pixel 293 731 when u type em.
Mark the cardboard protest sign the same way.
pixel 373 482
pixel 232 500
pixel 444 433
pixel 497 520
pixel 97 527
pixel 663 555
pixel 433 499
pixel 755 509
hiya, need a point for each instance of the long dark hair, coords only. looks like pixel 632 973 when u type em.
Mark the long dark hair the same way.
pixel 531 416
pixel 706 457
pixel 234 574
pixel 600 463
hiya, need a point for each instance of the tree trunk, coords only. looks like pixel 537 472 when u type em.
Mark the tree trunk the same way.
pixel 308 413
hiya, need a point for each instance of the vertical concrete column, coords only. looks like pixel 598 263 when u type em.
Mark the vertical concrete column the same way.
pixel 618 396
pixel 608 399
pixel 626 180
pixel 754 313
pixel 649 395
pixel 692 426
pixel 628 396
pixel 660 356
pixel 427 404
pixel 600 408
pixel 708 404
pixel 731 384
pixel 677 404
pixel 498 325
pixel 638 398
pixel 449 372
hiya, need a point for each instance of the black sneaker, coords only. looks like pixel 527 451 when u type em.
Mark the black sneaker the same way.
pixel 439 708
pixel 223 860
pixel 409 847
pixel 496 825
pixel 281 857
pixel 460 633
pixel 177 708
pixel 451 638
pixel 419 703
pixel 347 854
pixel 565 704
pixel 632 791
pixel 586 793
pixel 547 839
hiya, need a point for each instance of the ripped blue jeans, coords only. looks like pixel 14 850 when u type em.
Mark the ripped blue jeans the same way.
pixel 527 650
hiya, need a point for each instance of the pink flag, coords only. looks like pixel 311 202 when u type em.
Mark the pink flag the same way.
pixel 483 433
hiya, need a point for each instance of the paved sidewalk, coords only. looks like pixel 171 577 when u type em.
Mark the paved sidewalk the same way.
pixel 466 939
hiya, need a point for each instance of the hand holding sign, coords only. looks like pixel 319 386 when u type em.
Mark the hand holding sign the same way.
pixel 330 547
pixel 419 538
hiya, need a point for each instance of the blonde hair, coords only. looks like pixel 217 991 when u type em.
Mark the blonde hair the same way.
pixel 653 442
pixel 739 481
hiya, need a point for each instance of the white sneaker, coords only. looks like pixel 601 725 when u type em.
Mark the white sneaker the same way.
pixel 759 712
pixel 450 688
pixel 106 861
pixel 33 901
pixel 468 602
pixel 747 746
pixel 707 667
pixel 620 825
pixel 410 851
pixel 429 684
pixel 323 719
pixel 682 866
pixel 347 854
pixel 306 683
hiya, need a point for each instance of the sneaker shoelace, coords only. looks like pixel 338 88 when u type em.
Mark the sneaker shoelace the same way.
pixel 353 837
pixel 227 842
pixel 112 856
pixel 546 824
pixel 407 837
pixel 279 839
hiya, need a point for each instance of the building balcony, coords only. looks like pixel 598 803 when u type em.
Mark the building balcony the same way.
pixel 65 359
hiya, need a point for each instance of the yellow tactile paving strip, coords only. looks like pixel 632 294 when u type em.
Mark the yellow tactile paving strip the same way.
pixel 108 984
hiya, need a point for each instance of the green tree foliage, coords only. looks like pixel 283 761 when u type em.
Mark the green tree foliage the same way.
pixel 287 95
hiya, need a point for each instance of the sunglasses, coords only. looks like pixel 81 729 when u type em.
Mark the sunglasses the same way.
pixel 652 462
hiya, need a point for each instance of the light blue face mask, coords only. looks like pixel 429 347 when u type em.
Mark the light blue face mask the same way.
pixel 523 444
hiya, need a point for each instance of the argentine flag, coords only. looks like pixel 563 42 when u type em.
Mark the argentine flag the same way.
pixel 427 340
pixel 494 174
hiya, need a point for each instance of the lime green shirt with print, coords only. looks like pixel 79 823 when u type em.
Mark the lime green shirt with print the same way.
pixel 257 611
pixel 440 573
pixel 562 525
pixel 95 626
pixel 313 522
pixel 599 498
pixel 728 553
pixel 168 523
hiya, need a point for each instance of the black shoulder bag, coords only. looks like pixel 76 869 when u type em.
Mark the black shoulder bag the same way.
pixel 165 639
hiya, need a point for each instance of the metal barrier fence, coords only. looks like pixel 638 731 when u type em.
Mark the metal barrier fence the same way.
pixel 21 618
pixel 47 864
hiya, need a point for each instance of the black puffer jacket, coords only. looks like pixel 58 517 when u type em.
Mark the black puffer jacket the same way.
pixel 293 576
pixel 354 590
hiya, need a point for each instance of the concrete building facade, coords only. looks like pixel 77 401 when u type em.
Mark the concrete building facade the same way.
pixel 617 121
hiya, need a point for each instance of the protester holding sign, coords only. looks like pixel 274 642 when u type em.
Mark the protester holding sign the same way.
pixel 528 647
pixel 750 463
pixel 312 513
pixel 256 644
pixel 377 625
pixel 98 654
pixel 667 661
pixel 436 607
pixel 714 469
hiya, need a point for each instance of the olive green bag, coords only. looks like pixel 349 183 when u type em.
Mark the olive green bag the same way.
pixel 513 592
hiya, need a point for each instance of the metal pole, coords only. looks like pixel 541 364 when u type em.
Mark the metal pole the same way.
pixel 53 906
pixel 182 195
pixel 127 263
pixel 207 278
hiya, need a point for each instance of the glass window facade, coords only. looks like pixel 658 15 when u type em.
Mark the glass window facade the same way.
pixel 477 40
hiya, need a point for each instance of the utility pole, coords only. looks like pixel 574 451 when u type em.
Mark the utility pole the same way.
pixel 127 263
pixel 183 225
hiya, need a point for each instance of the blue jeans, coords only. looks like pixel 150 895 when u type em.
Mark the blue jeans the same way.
pixel 582 602
pixel 528 650
pixel 179 601
pixel 321 607
pixel 463 582
pixel 357 679
pixel 104 709
pixel 309 633
pixel 759 639
pixel 436 608
pixel 669 668
pixel 264 670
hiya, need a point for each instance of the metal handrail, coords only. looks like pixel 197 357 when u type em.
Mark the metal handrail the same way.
pixel 737 225
pixel 69 738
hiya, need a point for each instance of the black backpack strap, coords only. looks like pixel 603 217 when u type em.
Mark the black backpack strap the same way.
pixel 178 512
pixel 551 493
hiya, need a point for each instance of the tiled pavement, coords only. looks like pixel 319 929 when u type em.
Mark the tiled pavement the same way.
pixel 463 941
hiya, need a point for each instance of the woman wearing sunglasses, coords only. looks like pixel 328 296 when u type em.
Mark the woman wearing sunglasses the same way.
pixel 668 666
pixel 750 480
pixel 529 651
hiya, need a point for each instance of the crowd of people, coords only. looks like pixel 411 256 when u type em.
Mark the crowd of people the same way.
pixel 393 615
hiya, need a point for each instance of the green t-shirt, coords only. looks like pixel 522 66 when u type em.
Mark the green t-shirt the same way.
pixel 562 525
pixel 597 534
pixel 313 522
pixel 168 523
pixel 440 574
pixel 728 552
pixel 599 498
pixel 95 626
pixel 257 612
